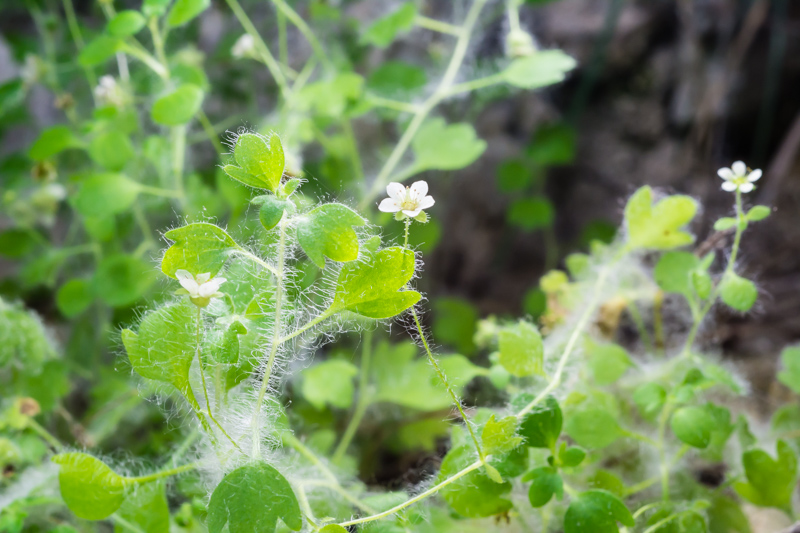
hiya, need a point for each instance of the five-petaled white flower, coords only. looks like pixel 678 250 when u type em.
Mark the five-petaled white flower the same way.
pixel 738 177
pixel 200 288
pixel 245 46
pixel 410 200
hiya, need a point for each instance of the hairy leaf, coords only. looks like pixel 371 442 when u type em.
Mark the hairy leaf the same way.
pixel 326 231
pixel 596 511
pixel 198 248
pixel 89 487
pixel 658 227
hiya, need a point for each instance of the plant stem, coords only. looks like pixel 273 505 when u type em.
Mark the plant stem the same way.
pixel 158 43
pixel 208 128
pixel 276 339
pixel 636 316
pixel 77 37
pixel 164 473
pixel 740 226
pixel 441 92
pixel 437 25
pixel 664 468
pixel 46 435
pixel 310 324
pixel 266 56
pixel 421 496
pixel 178 155
pixel 158 191
pixel 301 25
pixel 256 259
pixel 364 398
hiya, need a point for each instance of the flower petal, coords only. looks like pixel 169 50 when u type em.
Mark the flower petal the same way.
pixel 419 189
pixel 389 205
pixel 396 190
pixel 413 213
pixel 746 187
pixel 183 274
pixel 739 168
pixel 426 202
pixel 729 186
pixel 725 173
pixel 754 175
pixel 202 278
pixel 207 289
pixel 190 285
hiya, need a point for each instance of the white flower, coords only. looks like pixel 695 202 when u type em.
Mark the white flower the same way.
pixel 737 177
pixel 108 93
pixel 410 200
pixel 200 288
pixel 244 46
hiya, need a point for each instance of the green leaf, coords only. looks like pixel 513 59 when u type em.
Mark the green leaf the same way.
pixel 475 494
pixel 542 425
pixel 111 150
pixel 198 248
pixel 552 145
pixel 570 457
pixel 327 231
pixel 261 161
pixel 650 398
pixel 52 141
pixel 657 227
pixel 396 79
pixel 333 528
pixel 596 511
pixel 758 212
pixel 185 10
pixel 384 30
pixel 790 375
pixel 372 288
pixel 454 323
pixel 539 70
pixel 531 213
pixel 271 211
pixel 74 297
pixel 673 272
pixel 514 175
pixel 126 23
pixel 693 426
pixel 545 483
pixel 439 146
pixel 155 8
pixel 122 279
pixel 17 242
pixel 178 107
pixel 330 382
pixel 146 508
pixel 164 347
pixel 99 50
pixel 738 292
pixel 724 223
pixel 770 482
pixel 521 349
pixel 499 436
pixel 104 195
pixel 593 427
pixel 402 380
pixel 607 361
pixel 701 283
pixel 226 350
pixel 726 516
pixel 89 487
pixel 251 499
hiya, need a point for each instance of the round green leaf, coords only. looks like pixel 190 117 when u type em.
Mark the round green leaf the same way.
pixel 126 23
pixel 103 195
pixel 99 50
pixel 593 427
pixel 330 382
pixel 539 69
pixel 758 212
pixel 111 150
pixel 673 272
pixel 251 499
pixel 89 487
pixel 607 361
pixel 441 146
pixel 693 426
pixel 122 279
pixel 474 495
pixel 198 248
pixel 271 211
pixel 738 292
pixel 396 79
pixel 658 227
pixel 545 483
pixel 16 243
pixel 384 30
pixel 261 161
pixel 542 425
pixel 531 213
pixel 521 349
pixel 52 141
pixel 596 511
pixel 185 10
pixel 327 231
pixel 74 297
pixel 178 107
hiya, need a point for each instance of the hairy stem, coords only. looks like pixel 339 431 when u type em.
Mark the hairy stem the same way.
pixel 307 32
pixel 276 339
pixel 363 400
pixel 164 473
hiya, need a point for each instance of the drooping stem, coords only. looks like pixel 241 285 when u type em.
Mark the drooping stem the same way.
pixel 364 398
pixel 164 473
pixel 178 155
pixel 208 128
pixel 276 339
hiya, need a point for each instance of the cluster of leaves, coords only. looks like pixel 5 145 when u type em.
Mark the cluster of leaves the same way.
pixel 582 419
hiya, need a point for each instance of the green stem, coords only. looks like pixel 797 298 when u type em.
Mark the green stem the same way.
pixel 388 103
pixel 276 337
pixel 208 128
pixel 283 42
pixel 164 473
pixel 352 148
pixel 441 92
pixel 261 47
pixel 301 25
pixel 158 43
pixel 146 58
pixel 364 399
pixel 178 157
pixel 45 435
pixel 77 37
pixel 740 226
pixel 512 11
pixel 636 316
pixel 473 85
pixel 310 324
pixel 421 496
pixel 256 259
pixel 664 467
pixel 158 191
pixel 437 25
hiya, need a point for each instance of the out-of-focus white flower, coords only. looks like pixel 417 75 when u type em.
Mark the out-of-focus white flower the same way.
pixel 738 177
pixel 200 288
pixel 32 71
pixel 410 200
pixel 109 93
pixel 245 46
pixel 520 43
